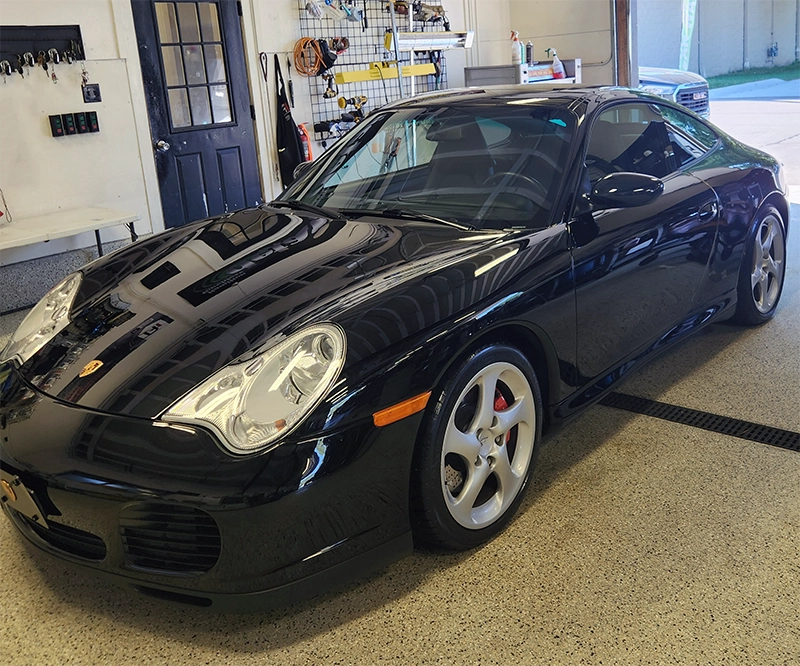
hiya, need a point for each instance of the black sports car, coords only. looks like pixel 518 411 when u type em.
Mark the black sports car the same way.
pixel 246 409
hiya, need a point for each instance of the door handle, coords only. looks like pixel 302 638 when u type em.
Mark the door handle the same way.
pixel 709 211
pixel 162 146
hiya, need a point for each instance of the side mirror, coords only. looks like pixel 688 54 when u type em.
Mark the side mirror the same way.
pixel 300 169
pixel 625 190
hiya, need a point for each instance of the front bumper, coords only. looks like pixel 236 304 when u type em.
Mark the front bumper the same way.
pixel 301 587
pixel 166 512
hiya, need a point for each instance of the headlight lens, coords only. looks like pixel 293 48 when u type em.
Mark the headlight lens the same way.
pixel 47 318
pixel 665 91
pixel 251 405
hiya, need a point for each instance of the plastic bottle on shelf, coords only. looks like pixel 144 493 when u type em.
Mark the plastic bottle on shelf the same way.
pixel 558 67
pixel 516 48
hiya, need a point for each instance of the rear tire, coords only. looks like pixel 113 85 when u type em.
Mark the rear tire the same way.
pixel 763 269
pixel 480 439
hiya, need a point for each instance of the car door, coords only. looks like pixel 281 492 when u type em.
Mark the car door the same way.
pixel 637 268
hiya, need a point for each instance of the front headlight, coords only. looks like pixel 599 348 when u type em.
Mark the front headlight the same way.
pixel 666 91
pixel 250 405
pixel 47 318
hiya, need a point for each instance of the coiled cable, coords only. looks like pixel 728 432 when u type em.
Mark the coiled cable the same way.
pixel 307 56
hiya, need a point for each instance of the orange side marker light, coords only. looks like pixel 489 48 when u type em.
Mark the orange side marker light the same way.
pixel 400 410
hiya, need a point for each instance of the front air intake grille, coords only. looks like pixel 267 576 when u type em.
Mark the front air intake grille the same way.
pixel 169 539
pixel 688 97
pixel 68 539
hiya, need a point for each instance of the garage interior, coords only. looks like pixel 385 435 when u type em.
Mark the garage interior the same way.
pixel 641 540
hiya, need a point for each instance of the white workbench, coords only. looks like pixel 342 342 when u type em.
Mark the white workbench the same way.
pixel 63 224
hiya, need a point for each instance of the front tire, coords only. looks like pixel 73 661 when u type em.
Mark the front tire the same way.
pixel 763 269
pixel 480 440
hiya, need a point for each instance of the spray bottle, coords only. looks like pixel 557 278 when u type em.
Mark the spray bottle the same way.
pixel 558 67
pixel 516 48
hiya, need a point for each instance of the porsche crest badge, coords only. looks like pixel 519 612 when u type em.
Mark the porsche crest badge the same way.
pixel 8 490
pixel 90 367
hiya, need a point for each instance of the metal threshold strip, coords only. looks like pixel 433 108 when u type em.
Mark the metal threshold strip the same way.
pixel 784 439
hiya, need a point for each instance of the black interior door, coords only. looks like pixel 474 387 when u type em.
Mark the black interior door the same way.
pixel 198 100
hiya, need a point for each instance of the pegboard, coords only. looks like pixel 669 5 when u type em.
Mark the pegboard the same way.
pixel 366 46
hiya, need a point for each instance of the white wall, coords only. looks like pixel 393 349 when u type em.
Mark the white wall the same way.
pixel 575 28
pixel 491 22
pixel 40 174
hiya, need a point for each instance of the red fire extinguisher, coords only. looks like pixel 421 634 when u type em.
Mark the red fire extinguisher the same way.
pixel 305 138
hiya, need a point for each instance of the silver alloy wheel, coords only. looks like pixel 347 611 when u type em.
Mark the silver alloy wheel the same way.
pixel 768 261
pixel 488 445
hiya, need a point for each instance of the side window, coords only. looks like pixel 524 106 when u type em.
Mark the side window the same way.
pixel 691 127
pixel 689 137
pixel 630 137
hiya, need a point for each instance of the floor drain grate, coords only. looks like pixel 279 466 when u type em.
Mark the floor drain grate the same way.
pixel 785 439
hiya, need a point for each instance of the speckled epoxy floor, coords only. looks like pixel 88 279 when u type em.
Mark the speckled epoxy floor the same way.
pixel 640 542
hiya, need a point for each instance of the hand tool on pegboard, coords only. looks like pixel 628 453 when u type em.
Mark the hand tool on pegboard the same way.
pixel 262 58
pixel 290 82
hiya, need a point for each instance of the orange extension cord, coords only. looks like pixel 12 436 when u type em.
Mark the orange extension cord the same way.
pixel 307 56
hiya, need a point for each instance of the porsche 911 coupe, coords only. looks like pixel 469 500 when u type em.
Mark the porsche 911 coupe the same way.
pixel 247 409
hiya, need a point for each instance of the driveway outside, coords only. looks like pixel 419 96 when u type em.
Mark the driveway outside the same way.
pixel 766 115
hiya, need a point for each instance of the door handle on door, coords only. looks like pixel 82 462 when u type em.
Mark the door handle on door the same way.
pixel 162 146
pixel 709 211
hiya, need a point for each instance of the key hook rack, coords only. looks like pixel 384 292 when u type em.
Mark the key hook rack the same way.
pixel 23 47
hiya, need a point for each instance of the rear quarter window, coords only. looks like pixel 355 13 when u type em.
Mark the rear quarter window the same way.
pixel 692 127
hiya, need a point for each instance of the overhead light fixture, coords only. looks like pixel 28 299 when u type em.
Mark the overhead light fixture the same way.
pixel 429 41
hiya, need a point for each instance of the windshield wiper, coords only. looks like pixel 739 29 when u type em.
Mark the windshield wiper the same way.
pixel 404 214
pixel 295 204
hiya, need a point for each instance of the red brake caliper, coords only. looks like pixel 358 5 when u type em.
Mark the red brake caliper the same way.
pixel 500 404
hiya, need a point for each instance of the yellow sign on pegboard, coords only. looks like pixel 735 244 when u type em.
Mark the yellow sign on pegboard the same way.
pixel 378 71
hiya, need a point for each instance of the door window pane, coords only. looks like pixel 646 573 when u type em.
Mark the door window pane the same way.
pixel 195 69
pixel 179 107
pixel 630 137
pixel 167 23
pixel 187 18
pixel 209 22
pixel 201 111
pixel 215 63
pixel 220 104
pixel 173 65
pixel 193 60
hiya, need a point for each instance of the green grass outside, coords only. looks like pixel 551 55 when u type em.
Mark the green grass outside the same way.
pixel 787 73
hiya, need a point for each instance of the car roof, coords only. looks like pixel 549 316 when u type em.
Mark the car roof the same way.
pixel 558 95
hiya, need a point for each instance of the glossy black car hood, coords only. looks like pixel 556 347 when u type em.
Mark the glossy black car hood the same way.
pixel 153 320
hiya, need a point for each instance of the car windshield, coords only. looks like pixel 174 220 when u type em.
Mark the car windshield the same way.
pixel 493 167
